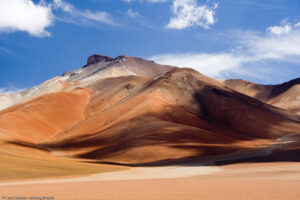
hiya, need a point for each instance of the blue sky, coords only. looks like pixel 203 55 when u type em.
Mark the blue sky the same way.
pixel 249 39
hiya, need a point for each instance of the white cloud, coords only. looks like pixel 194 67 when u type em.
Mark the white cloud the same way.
pixel 59 4
pixel 188 13
pixel 5 50
pixel 251 50
pixel 297 24
pixel 280 30
pixel 209 64
pixel 98 16
pixel 150 1
pixel 280 47
pixel 157 1
pixel 81 17
pixel 132 14
pixel 24 15
pixel 284 45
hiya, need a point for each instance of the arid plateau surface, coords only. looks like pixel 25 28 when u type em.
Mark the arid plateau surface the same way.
pixel 129 128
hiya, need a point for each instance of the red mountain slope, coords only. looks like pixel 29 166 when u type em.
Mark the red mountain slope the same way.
pixel 285 95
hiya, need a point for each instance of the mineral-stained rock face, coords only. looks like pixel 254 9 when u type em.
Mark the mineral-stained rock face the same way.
pixel 43 117
pixel 285 95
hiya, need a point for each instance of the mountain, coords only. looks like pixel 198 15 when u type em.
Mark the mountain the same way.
pixel 285 95
pixel 130 110
pixel 97 67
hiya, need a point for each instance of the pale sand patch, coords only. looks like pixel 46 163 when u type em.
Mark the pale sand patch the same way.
pixel 136 173
pixel 244 182
pixel 157 172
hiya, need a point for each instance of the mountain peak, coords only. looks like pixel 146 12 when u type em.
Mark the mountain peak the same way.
pixel 98 58
pixel 104 66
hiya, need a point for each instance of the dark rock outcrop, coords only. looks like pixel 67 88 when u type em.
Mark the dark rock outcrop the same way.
pixel 98 58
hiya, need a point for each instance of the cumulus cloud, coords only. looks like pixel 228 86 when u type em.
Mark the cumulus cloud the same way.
pixel 35 18
pixel 188 13
pixel 280 30
pixel 24 15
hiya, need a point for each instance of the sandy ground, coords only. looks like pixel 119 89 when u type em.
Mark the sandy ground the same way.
pixel 21 163
pixel 273 180
pixel 242 181
pixel 135 173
